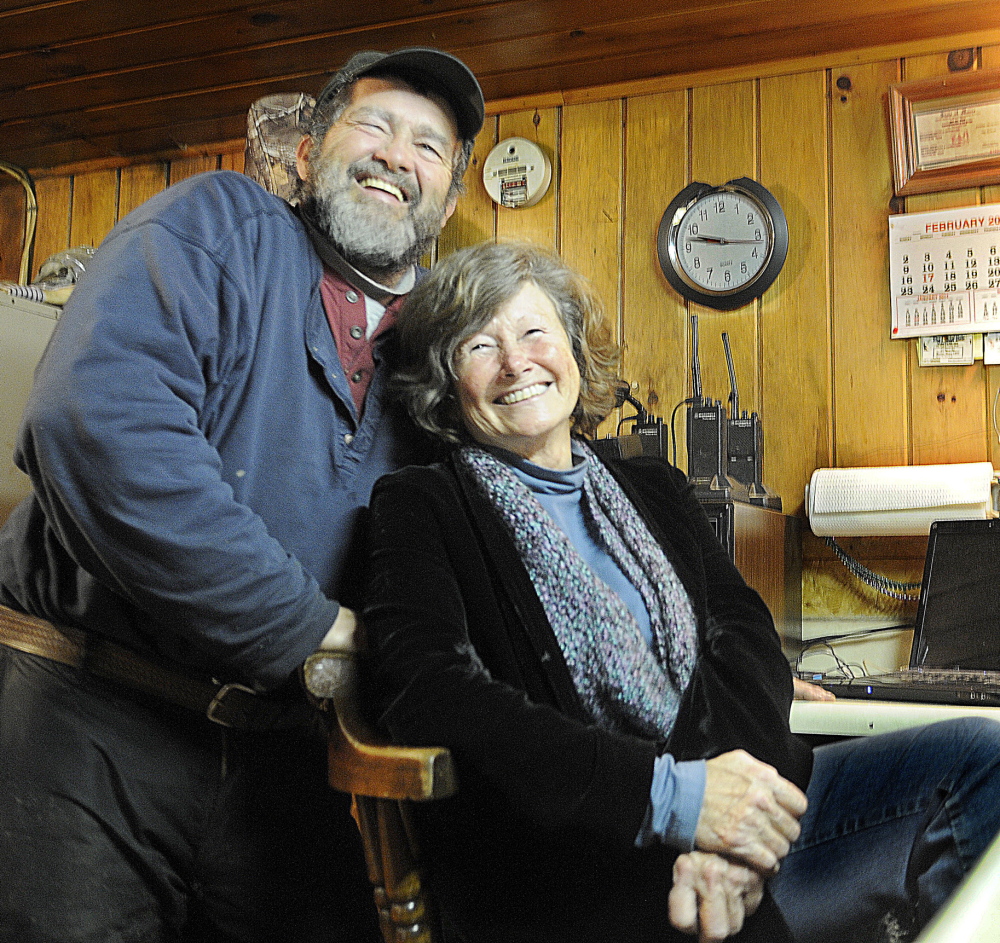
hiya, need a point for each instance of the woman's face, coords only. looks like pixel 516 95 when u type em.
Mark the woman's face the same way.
pixel 518 382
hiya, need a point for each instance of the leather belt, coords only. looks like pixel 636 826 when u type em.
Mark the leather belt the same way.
pixel 228 704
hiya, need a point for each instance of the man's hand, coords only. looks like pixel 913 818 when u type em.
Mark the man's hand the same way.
pixel 711 897
pixel 343 635
pixel 749 812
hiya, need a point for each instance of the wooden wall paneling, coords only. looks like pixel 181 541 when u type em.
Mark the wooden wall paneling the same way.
pixel 590 196
pixel 232 160
pixel 138 183
pixel 536 223
pixel 474 220
pixel 993 414
pixel 795 404
pixel 590 203
pixel 989 58
pixel 54 212
pixel 95 207
pixel 948 405
pixel 185 167
pixel 870 371
pixel 13 208
pixel 949 409
pixel 654 317
pixel 723 147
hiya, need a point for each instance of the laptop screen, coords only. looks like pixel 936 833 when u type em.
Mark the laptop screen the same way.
pixel 958 616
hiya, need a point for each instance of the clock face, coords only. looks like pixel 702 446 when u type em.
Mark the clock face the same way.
pixel 722 242
pixel 722 246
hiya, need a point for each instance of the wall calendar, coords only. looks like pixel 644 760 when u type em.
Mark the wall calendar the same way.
pixel 944 272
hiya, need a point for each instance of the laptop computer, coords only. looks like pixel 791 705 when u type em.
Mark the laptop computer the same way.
pixel 955 655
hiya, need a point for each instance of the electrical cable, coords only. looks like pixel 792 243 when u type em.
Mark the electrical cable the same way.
pixel 882 584
pixel 636 418
pixel 673 431
pixel 845 669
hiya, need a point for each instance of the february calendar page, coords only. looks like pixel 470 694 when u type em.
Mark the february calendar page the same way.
pixel 944 271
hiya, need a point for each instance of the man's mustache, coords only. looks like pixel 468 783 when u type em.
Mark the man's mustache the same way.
pixel 406 183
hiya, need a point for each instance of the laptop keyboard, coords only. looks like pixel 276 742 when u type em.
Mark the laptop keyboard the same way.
pixel 943 676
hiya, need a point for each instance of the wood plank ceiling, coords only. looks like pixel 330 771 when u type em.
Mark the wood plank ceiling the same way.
pixel 84 80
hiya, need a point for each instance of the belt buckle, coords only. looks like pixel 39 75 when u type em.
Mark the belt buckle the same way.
pixel 217 704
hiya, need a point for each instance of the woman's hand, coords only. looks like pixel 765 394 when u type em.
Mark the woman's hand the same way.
pixel 711 897
pixel 804 691
pixel 749 812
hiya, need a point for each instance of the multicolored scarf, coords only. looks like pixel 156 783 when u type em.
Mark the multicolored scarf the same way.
pixel 624 683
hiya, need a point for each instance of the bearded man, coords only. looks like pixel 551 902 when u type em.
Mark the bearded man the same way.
pixel 202 437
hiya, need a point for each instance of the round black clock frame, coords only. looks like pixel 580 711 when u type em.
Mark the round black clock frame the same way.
pixel 765 219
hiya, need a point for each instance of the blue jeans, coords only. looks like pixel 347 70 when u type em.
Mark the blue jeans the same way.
pixel 893 824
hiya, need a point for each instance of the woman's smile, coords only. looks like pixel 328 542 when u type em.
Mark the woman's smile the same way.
pixel 518 382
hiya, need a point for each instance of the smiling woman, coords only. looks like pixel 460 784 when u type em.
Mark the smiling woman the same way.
pixel 491 324
pixel 555 621
pixel 517 381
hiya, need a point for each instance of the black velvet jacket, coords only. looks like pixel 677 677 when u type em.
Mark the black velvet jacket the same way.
pixel 538 844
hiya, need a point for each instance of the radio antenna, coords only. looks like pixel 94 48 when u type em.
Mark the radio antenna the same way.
pixel 734 394
pixel 695 365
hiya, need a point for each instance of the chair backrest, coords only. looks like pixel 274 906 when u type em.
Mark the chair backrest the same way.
pixel 384 780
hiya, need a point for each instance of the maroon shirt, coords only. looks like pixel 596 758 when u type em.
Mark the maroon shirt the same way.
pixel 348 318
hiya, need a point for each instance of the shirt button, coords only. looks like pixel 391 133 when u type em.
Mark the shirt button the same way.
pixel 356 377
pixel 352 296
pixel 356 332
pixel 348 439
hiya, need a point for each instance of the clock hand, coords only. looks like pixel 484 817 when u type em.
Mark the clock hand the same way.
pixel 722 241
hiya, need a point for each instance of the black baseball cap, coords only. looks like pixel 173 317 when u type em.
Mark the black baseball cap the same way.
pixel 438 71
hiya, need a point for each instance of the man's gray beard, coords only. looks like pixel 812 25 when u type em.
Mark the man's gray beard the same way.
pixel 366 234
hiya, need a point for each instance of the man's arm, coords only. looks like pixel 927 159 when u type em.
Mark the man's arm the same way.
pixel 116 441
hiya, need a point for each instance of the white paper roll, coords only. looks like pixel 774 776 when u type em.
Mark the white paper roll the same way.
pixel 896 500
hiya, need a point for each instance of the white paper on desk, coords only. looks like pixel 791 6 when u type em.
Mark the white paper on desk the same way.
pixel 896 500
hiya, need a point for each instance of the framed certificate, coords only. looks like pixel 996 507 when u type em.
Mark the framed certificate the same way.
pixel 946 132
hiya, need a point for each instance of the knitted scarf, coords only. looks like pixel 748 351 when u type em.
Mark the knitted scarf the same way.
pixel 624 683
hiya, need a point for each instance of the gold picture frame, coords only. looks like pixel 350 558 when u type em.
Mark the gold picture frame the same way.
pixel 945 132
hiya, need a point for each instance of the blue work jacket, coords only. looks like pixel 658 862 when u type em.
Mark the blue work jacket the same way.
pixel 197 462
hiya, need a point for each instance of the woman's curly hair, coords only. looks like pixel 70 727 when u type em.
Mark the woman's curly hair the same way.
pixel 460 297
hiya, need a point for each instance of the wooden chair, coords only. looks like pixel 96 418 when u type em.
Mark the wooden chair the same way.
pixel 383 780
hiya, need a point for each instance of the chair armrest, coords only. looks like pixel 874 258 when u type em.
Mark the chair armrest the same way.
pixel 360 761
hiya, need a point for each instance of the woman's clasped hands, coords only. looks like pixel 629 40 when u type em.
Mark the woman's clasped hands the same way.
pixel 749 819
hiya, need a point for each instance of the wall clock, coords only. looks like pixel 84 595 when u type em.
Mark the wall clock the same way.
pixel 722 246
